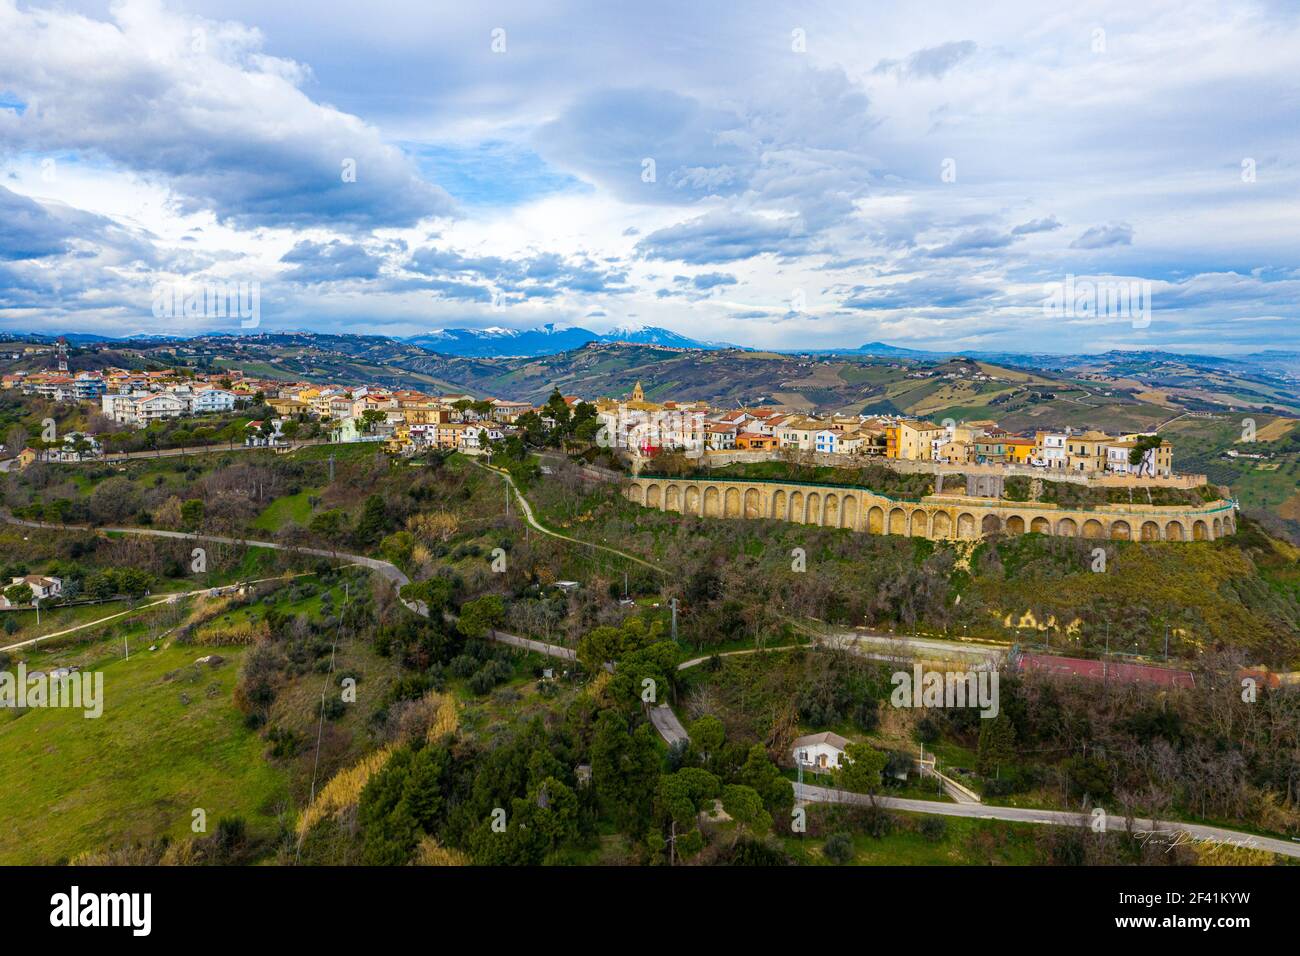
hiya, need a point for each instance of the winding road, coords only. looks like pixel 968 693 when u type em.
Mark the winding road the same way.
pixel 1161 832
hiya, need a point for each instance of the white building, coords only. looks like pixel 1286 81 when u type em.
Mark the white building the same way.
pixel 824 751
pixel 42 587
pixel 212 400
pixel 1052 451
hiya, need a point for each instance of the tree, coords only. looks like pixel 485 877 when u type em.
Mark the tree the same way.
pixel 19 594
pixel 997 744
pixel 765 777
pixel 861 768
pixel 480 616
pixel 192 514
pixel 706 736
pixel 745 806
pixel 624 768
pixel 373 522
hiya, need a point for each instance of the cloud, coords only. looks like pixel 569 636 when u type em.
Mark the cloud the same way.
pixel 724 237
pixel 1049 224
pixel 333 261
pixel 931 62
pixel 198 104
pixel 1100 237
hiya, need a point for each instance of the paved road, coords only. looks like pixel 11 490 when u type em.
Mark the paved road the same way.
pixel 669 727
pixel 539 527
pixel 198 450
pixel 162 599
pixel 1161 833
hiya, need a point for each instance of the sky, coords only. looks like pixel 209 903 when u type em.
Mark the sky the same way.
pixel 995 175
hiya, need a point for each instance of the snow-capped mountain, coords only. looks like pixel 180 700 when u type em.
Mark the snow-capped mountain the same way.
pixel 546 340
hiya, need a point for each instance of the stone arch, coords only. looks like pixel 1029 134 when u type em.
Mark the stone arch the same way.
pixel 797 507
pixel 637 494
pixel 731 502
pixel 919 523
pixel 1174 531
pixel 898 521
pixel 1067 528
pixel 673 498
pixel 1092 528
pixel 1229 524
pixel 753 508
pixel 814 515
pixel 831 518
pixel 991 524
pixel 1015 525
pixel 692 500
pixel 965 525
pixel 654 496
pixel 1218 528
pixel 1150 531
pixel 780 506
pixel 850 510
pixel 712 502
pixel 1040 525
pixel 1121 531
pixel 876 520
pixel 1199 531
pixel 941 525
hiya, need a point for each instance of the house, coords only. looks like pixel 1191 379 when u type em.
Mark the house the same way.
pixel 824 751
pixel 909 440
pixel 1020 451
pixel 43 587
pixel 211 400
pixel 753 441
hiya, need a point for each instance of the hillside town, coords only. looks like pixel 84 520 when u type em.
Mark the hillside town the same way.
pixel 411 422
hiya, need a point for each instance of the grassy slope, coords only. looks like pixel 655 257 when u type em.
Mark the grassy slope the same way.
pixel 140 769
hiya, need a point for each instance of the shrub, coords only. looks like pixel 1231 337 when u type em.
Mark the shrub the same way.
pixel 838 848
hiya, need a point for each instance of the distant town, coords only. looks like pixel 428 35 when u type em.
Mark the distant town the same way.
pixel 411 422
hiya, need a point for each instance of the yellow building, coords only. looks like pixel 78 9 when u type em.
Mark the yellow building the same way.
pixel 1087 452
pixel 910 440
pixel 1020 451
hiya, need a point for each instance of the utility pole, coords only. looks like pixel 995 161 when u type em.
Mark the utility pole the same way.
pixel 1166 642
pixel 673 604
pixel 331 468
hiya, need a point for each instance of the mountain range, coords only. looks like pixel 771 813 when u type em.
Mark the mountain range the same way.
pixel 548 339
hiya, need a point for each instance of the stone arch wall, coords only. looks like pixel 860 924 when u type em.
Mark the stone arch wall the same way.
pixel 850 511
pixel 875 514
pixel 876 520
pixel 712 501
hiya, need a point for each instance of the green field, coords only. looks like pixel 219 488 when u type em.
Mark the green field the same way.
pixel 168 742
